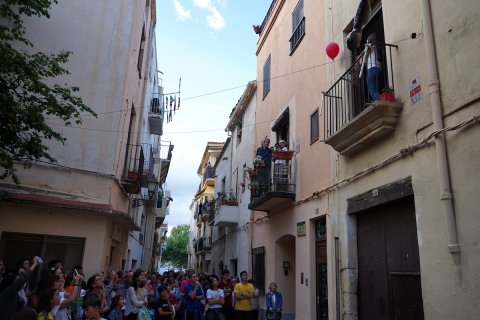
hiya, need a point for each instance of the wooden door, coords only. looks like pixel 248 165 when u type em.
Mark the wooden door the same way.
pixel 321 269
pixel 389 283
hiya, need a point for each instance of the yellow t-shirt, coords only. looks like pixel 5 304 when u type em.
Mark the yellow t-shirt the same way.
pixel 243 304
pixel 45 316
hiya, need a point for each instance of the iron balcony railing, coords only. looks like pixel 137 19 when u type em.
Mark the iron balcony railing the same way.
pixel 133 168
pixel 149 159
pixel 156 114
pixel 349 95
pixel 281 179
pixel 208 173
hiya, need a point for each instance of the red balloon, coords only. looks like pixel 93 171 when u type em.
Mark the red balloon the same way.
pixel 332 50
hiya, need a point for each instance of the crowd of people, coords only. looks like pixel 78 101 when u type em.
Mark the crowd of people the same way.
pixel 30 293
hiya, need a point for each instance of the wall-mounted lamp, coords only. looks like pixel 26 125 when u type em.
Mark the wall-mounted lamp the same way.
pixel 286 266
pixel 152 192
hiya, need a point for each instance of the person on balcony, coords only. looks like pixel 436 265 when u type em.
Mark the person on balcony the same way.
pixel 372 59
pixel 263 170
pixel 281 168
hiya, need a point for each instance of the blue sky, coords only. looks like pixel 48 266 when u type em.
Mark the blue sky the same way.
pixel 211 45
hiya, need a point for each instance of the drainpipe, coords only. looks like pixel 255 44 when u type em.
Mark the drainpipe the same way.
pixel 440 145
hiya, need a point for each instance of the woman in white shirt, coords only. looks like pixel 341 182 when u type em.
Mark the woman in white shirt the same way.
pixel 215 299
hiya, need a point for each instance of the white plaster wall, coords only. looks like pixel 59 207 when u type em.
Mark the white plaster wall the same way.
pixel 99 40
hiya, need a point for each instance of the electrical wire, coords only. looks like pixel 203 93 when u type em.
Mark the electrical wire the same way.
pixel 399 155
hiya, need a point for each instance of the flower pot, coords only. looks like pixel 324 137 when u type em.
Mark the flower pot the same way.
pixel 387 96
pixel 261 164
pixel 252 173
pixel 253 192
pixel 283 155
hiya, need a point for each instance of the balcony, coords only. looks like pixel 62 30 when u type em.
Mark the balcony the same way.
pixel 352 121
pixel 203 245
pixel 160 211
pixel 148 165
pixel 133 169
pixel 227 215
pixel 278 193
pixel 163 159
pixel 206 212
pixel 155 115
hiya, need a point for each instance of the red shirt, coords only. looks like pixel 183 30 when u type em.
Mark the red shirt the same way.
pixel 182 288
pixel 227 292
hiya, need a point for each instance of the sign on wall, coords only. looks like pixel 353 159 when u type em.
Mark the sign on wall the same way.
pixel 301 229
pixel 415 90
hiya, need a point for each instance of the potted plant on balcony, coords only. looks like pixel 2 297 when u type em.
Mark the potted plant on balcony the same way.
pixel 251 172
pixel 387 94
pixel 231 200
pixel 258 162
pixel 254 186
pixel 282 155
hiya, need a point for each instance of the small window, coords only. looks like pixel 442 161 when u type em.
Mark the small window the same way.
pixel 298 26
pixel 141 52
pixel 239 132
pixel 314 127
pixel 266 76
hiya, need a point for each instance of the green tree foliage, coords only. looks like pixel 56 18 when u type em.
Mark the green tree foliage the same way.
pixel 28 92
pixel 176 251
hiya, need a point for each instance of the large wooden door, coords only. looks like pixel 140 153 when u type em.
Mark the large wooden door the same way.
pixel 389 285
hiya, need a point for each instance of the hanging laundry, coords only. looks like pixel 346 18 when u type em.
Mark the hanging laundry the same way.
pixel 171 101
pixel 178 105
pixel 175 103
pixel 170 116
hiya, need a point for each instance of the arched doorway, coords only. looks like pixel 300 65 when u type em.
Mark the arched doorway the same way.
pixel 285 271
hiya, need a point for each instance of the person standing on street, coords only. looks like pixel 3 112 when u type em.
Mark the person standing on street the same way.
pixel 193 298
pixel 244 291
pixel 227 286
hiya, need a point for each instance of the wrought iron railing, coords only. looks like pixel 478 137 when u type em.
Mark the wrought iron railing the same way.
pixel 148 156
pixel 281 178
pixel 349 95
pixel 134 162
pixel 208 173
pixel 156 105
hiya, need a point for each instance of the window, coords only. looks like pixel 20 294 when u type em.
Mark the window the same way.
pixel 314 127
pixel 239 131
pixel 281 126
pixel 258 267
pixel 17 246
pixel 141 52
pixel 298 26
pixel 267 76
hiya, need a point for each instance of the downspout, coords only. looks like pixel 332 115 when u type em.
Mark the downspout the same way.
pixel 440 144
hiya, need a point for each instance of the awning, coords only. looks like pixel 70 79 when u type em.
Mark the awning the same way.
pixel 281 120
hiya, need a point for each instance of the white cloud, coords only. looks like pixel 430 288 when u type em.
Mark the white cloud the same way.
pixel 203 3
pixel 182 13
pixel 215 20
